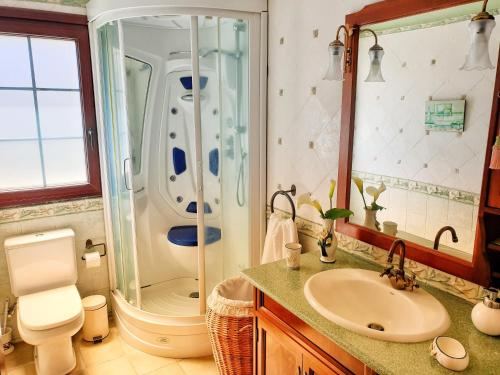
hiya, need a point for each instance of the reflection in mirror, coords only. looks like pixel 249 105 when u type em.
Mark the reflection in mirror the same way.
pixel 420 137
pixel 138 79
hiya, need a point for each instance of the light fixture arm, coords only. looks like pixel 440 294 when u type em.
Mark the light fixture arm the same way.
pixel 373 33
pixel 483 15
pixel 485 3
pixel 346 32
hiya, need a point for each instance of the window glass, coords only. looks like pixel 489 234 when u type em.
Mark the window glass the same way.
pixel 60 114
pixel 55 63
pixel 15 65
pixel 41 128
pixel 17 112
pixel 20 156
pixel 64 161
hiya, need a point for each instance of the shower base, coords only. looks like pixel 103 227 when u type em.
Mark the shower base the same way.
pixel 174 336
pixel 174 297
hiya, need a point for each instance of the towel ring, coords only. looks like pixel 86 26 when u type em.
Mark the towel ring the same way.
pixel 293 191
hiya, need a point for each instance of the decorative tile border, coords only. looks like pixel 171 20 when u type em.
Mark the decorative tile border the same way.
pixel 425 274
pixel 421 187
pixel 443 22
pixel 74 3
pixel 10 215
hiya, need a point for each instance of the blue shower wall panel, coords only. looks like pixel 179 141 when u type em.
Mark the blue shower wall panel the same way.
pixel 179 160
pixel 213 161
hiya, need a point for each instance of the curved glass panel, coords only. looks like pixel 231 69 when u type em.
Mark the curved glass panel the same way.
pixel 118 160
pixel 138 77
pixel 224 59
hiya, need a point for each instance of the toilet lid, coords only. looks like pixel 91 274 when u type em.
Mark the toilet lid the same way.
pixel 50 308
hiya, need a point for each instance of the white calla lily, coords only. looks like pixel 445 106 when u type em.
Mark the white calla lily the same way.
pixel 307 199
pixel 375 192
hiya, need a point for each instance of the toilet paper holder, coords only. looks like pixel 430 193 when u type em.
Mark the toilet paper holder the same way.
pixel 89 245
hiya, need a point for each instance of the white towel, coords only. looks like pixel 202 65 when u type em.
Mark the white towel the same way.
pixel 280 231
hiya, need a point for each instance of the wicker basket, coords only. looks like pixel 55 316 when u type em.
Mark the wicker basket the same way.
pixel 230 326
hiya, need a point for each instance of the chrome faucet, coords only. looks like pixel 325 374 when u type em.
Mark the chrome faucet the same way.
pixel 397 276
pixel 441 231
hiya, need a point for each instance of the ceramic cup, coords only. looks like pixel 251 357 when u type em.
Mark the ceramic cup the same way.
pixel 450 353
pixel 390 228
pixel 293 250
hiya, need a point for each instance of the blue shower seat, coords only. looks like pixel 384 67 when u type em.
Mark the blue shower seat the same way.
pixel 187 235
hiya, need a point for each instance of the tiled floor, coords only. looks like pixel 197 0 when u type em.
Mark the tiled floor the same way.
pixel 113 356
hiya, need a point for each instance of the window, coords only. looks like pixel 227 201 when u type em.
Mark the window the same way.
pixel 48 144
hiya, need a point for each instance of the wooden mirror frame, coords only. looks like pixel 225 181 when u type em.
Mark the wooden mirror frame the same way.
pixel 478 269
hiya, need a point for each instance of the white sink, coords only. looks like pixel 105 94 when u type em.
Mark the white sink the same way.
pixel 358 299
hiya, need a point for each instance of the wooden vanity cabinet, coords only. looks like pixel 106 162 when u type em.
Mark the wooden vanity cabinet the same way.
pixel 285 345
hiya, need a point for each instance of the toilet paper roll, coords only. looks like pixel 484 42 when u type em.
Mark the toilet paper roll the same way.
pixel 92 260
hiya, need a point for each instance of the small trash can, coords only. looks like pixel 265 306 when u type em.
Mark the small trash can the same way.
pixel 230 326
pixel 95 327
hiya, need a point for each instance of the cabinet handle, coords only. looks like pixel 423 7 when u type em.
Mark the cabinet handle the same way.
pixel 299 370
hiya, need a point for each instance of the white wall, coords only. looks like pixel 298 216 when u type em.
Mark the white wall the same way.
pixel 297 117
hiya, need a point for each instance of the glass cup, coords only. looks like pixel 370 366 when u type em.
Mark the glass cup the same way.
pixel 293 250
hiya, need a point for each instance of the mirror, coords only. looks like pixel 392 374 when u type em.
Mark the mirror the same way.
pixel 420 137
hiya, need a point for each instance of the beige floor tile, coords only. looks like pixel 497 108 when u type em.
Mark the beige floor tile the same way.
pixel 80 365
pixel 22 355
pixel 109 349
pixel 199 366
pixel 28 369
pixel 144 363
pixel 172 369
pixel 120 366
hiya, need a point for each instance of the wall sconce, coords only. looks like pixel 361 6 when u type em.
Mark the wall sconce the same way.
pixel 376 53
pixel 336 51
pixel 480 29
pixel 337 66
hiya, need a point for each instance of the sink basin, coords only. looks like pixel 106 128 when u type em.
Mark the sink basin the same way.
pixel 363 302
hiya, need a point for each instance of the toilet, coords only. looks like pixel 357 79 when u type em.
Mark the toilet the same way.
pixel 43 273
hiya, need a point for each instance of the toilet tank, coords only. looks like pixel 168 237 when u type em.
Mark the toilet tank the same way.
pixel 41 261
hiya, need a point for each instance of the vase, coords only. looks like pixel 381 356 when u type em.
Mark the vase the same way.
pixel 328 242
pixel 371 219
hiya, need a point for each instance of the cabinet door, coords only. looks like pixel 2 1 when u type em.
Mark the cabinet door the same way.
pixel 494 191
pixel 313 366
pixel 278 353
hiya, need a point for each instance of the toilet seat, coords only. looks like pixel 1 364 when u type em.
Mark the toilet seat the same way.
pixel 50 309
pixel 43 337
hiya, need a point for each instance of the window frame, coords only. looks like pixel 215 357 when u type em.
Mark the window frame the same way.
pixel 66 26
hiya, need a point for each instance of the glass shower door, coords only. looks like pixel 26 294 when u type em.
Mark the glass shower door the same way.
pixel 119 166
pixel 224 95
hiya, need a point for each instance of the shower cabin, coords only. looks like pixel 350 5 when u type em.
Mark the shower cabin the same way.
pixel 180 89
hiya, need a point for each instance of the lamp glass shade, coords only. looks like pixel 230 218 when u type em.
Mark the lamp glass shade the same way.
pixel 376 54
pixel 334 71
pixel 478 57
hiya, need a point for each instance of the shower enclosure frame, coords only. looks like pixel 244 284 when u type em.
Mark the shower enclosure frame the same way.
pixel 158 327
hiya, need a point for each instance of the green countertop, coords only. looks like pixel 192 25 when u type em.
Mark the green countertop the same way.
pixel 286 287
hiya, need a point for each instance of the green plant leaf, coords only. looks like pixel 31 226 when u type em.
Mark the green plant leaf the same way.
pixel 375 207
pixel 337 213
